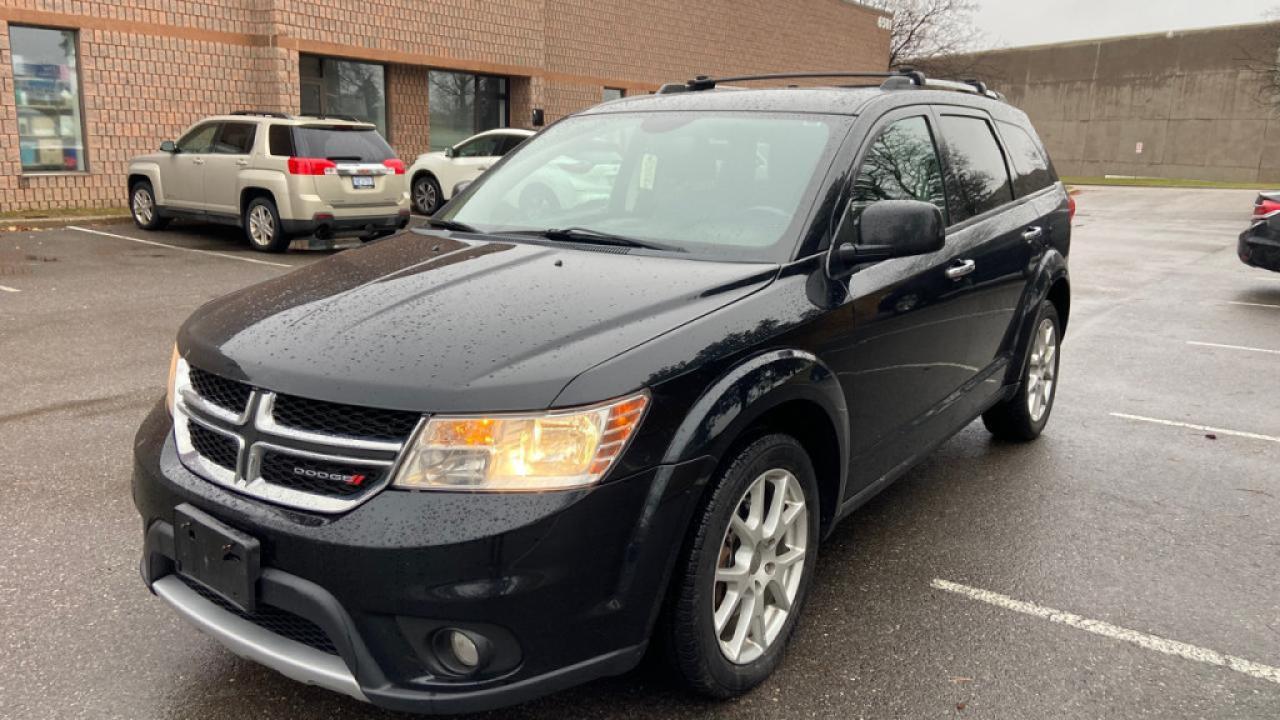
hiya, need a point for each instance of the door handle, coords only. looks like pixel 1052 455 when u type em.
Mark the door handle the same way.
pixel 960 269
pixel 197 161
pixel 242 163
pixel 1033 233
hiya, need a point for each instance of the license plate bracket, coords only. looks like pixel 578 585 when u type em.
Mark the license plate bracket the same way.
pixel 362 182
pixel 219 557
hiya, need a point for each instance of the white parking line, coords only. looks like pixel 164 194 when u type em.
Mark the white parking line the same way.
pixel 1233 347
pixel 1201 428
pixel 1249 304
pixel 1115 632
pixel 6 288
pixel 228 256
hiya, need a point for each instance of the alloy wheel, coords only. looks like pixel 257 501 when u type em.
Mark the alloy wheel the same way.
pixel 1042 370
pixel 760 566
pixel 424 195
pixel 262 226
pixel 143 206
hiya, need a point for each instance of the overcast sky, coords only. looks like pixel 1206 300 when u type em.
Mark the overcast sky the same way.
pixel 1010 23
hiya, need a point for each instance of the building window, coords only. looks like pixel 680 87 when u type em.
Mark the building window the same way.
pixel 462 105
pixel 344 87
pixel 614 93
pixel 46 85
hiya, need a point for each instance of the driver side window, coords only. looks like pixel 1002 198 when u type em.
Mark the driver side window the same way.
pixel 199 140
pixel 486 146
pixel 902 164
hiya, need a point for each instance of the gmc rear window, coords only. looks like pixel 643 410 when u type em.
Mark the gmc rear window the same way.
pixel 341 143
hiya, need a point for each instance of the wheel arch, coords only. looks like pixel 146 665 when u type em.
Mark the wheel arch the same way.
pixel 149 174
pixel 786 390
pixel 427 173
pixel 251 192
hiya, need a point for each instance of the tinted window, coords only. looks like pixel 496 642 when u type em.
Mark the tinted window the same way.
pixel 199 140
pixel 235 139
pixel 977 179
pixel 509 143
pixel 486 146
pixel 902 164
pixel 280 140
pixel 1029 162
pixel 342 143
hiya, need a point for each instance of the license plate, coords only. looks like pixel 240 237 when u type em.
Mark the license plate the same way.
pixel 218 557
pixel 361 181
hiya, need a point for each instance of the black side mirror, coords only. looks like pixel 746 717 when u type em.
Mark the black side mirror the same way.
pixel 449 152
pixel 885 229
pixel 168 147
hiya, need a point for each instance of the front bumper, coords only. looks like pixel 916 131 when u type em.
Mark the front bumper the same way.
pixel 1259 246
pixel 566 584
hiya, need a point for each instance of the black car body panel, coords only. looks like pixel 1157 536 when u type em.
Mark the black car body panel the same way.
pixel 1259 246
pixel 869 371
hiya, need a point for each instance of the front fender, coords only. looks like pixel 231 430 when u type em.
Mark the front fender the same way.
pixel 152 172
pixel 750 390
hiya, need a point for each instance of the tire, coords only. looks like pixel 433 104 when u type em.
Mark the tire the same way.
pixel 426 194
pixel 143 208
pixel 698 653
pixel 1022 417
pixel 261 223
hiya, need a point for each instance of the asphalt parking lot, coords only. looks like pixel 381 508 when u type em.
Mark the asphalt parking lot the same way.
pixel 1125 565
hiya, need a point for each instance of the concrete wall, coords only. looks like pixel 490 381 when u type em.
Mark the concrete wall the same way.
pixel 1189 98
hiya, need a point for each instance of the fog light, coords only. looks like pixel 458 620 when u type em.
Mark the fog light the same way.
pixel 464 649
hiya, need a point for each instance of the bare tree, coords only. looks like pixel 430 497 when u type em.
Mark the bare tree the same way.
pixel 924 29
pixel 1261 55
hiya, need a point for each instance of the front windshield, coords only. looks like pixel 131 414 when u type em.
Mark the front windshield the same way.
pixel 725 185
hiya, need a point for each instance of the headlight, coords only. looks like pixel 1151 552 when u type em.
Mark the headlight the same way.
pixel 521 453
pixel 169 394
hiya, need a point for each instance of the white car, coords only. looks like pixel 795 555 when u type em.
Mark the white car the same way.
pixel 435 176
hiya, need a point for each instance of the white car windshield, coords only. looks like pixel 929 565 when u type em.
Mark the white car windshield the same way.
pixel 729 185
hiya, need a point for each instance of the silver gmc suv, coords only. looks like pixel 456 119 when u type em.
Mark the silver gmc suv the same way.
pixel 277 176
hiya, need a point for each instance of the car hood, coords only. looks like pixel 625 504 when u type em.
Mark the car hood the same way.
pixel 438 323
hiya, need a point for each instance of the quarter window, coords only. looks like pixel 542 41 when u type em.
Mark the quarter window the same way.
pixel 1029 162
pixel 199 140
pixel 280 141
pixel 902 164
pixel 46 87
pixel 977 178
pixel 235 139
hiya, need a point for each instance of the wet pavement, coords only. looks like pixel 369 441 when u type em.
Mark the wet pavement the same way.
pixel 1152 504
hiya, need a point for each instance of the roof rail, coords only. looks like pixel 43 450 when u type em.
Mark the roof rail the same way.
pixel 900 79
pixel 336 116
pixel 262 113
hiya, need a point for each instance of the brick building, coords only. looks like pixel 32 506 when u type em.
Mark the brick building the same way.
pixel 87 84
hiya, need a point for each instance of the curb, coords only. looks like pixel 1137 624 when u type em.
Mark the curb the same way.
pixel 11 224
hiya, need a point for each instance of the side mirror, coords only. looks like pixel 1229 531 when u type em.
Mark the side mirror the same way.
pixel 168 146
pixel 449 152
pixel 885 229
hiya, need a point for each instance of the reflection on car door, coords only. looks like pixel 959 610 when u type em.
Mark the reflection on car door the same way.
pixel 998 237
pixel 230 155
pixel 902 349
pixel 183 179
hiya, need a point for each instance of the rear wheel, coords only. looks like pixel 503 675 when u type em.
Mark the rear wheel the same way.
pixel 142 205
pixel 745 573
pixel 426 194
pixel 1023 416
pixel 262 226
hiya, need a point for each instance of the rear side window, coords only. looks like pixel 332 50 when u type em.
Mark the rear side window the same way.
pixel 902 164
pixel 977 178
pixel 341 143
pixel 1030 166
pixel 280 141
pixel 235 138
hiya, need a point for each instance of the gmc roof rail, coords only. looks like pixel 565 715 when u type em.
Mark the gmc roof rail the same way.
pixel 900 79
pixel 262 113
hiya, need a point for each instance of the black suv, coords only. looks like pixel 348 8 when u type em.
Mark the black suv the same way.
pixel 613 399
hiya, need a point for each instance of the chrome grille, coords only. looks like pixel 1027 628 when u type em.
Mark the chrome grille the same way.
pixel 304 457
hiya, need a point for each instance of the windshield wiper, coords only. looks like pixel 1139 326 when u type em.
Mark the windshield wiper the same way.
pixel 450 225
pixel 596 237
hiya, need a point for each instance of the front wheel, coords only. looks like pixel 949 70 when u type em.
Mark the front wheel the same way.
pixel 745 573
pixel 262 226
pixel 1023 416
pixel 142 205
pixel 426 194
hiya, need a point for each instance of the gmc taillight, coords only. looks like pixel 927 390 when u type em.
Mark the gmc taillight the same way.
pixel 1071 207
pixel 395 164
pixel 312 166
pixel 1265 207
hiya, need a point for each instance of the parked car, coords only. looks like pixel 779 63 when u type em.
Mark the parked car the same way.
pixel 276 176
pixel 435 176
pixel 1259 246
pixel 501 455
